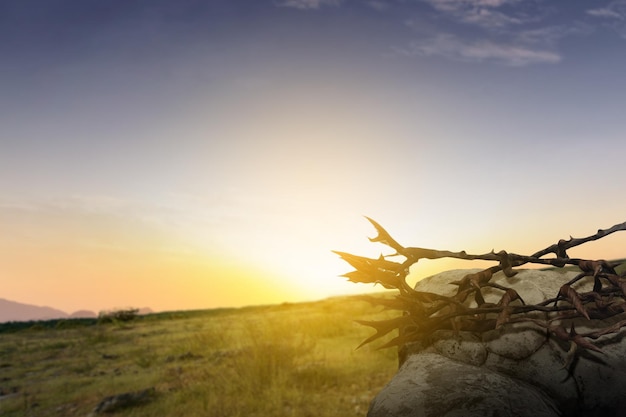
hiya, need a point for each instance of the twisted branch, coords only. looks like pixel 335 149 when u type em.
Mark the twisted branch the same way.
pixel 427 312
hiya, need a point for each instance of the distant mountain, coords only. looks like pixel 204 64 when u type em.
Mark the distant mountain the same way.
pixel 14 311
pixel 145 310
pixel 83 314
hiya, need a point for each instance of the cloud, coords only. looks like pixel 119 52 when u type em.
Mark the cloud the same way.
pixel 614 10
pixel 91 206
pixel 452 5
pixel 482 13
pixel 507 32
pixel 378 5
pixel 551 35
pixel 604 13
pixel 490 18
pixel 613 16
pixel 450 46
pixel 308 4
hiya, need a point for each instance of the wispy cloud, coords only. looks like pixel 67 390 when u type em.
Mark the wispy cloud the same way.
pixel 613 16
pixel 378 5
pixel 454 5
pixel 551 35
pixel 508 32
pixel 92 206
pixel 308 4
pixel 483 13
pixel 490 18
pixel 613 10
pixel 450 46
pixel 605 13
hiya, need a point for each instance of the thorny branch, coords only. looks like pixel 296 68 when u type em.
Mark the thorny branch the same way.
pixel 427 312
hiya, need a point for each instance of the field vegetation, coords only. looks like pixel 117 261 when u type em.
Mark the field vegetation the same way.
pixel 283 360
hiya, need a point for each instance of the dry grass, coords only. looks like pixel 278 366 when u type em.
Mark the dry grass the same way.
pixel 285 360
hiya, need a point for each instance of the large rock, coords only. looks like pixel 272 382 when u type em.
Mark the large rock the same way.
pixel 514 371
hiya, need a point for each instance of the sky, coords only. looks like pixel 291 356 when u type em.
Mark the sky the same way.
pixel 197 154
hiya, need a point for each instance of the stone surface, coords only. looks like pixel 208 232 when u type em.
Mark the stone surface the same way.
pixel 431 385
pixel 462 347
pixel 516 370
pixel 515 341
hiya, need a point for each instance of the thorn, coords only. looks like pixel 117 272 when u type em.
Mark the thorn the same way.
pixel 570 356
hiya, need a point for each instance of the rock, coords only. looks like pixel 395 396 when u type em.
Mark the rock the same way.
pixel 117 402
pixel 431 385
pixel 513 371
pixel 462 347
pixel 516 341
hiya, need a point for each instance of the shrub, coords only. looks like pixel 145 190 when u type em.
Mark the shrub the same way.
pixel 118 316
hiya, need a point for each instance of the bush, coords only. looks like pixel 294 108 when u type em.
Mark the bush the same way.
pixel 117 316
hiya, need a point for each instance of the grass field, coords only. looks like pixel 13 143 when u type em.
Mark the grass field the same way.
pixel 283 360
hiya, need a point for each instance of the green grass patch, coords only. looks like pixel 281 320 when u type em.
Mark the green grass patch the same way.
pixel 283 360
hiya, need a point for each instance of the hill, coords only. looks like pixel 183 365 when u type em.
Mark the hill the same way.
pixel 14 311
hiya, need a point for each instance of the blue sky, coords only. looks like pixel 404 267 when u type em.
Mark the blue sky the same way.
pixel 246 139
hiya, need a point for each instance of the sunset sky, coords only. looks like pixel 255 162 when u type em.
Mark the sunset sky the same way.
pixel 194 154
